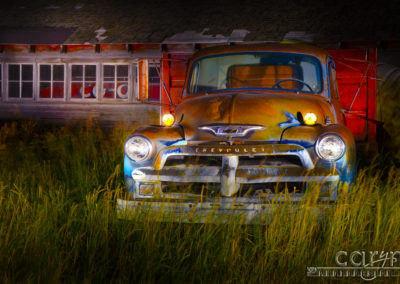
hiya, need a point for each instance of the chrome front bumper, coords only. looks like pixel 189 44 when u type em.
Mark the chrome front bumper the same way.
pixel 242 210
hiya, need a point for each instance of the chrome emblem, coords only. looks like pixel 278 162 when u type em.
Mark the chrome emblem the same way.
pixel 231 130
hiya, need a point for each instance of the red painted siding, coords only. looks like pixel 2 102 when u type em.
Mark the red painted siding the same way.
pixel 356 77
pixel 174 71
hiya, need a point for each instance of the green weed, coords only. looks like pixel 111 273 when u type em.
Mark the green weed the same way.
pixel 59 223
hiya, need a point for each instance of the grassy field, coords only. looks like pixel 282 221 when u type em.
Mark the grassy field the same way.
pixel 58 221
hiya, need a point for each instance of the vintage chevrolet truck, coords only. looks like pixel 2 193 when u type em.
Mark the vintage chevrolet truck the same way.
pixel 254 122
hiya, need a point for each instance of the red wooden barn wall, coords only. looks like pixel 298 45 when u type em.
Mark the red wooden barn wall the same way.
pixel 174 72
pixel 356 74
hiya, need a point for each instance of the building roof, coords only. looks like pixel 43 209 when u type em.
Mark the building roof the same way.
pixel 47 35
pixel 156 21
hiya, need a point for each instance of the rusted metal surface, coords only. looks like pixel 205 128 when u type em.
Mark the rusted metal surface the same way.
pixel 241 137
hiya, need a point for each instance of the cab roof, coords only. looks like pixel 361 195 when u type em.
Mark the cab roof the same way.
pixel 266 47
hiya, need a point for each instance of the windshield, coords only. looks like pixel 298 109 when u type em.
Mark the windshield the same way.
pixel 256 70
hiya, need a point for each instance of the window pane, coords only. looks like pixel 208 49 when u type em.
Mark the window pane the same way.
pixel 153 75
pixel 154 92
pixel 108 91
pixel 13 89
pixel 27 73
pixel 44 92
pixel 90 91
pixel 122 72
pixel 153 72
pixel 109 72
pixel 76 90
pixel 45 74
pixel 90 73
pixel 122 90
pixel 27 89
pixel 154 84
pixel 58 73
pixel 77 72
pixel 58 90
pixel 13 72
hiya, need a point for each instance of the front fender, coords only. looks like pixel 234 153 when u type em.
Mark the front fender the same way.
pixel 160 137
pixel 307 136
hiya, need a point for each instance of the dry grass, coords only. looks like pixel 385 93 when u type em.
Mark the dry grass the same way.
pixel 59 224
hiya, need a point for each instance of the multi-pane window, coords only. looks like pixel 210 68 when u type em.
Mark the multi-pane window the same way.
pixel 51 81
pixel 115 82
pixel 154 84
pixel 20 81
pixel 83 81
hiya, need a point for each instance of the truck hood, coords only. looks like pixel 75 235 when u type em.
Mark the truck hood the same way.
pixel 273 112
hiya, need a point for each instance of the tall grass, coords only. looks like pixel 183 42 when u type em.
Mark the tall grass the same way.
pixel 59 223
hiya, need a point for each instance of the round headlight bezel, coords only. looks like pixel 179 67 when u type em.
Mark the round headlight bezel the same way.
pixel 322 138
pixel 145 143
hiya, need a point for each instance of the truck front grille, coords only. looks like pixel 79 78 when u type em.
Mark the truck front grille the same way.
pixel 255 189
pixel 176 160
pixel 206 189
pixel 273 161
pixel 211 190
pixel 278 160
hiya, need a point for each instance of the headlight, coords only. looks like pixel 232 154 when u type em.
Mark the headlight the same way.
pixel 138 148
pixel 330 147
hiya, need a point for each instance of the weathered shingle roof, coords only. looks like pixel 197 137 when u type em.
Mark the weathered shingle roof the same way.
pixel 47 35
pixel 153 21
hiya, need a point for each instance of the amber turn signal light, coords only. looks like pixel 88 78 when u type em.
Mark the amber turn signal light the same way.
pixel 310 118
pixel 168 119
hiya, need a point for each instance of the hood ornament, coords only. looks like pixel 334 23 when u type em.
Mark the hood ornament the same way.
pixel 231 130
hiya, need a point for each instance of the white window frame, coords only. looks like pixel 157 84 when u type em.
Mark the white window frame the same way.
pixel 97 82
pixel 20 81
pixel 129 82
pixel 133 80
pixel 51 82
